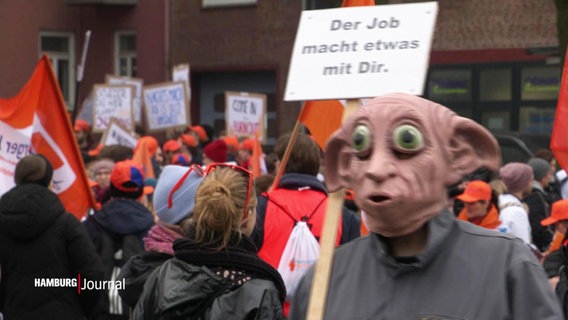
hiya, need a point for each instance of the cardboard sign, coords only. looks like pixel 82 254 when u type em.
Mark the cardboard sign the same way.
pixel 86 112
pixel 116 133
pixel 112 101
pixel 245 114
pixel 181 73
pixel 358 52
pixel 166 106
pixel 137 101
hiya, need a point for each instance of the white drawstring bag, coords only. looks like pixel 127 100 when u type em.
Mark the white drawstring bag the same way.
pixel 300 253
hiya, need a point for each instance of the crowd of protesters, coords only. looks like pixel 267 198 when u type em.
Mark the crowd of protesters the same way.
pixel 198 236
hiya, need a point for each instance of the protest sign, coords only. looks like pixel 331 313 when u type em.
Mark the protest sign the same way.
pixel 359 52
pixel 137 100
pixel 116 133
pixel 181 73
pixel 245 114
pixel 112 101
pixel 86 112
pixel 166 106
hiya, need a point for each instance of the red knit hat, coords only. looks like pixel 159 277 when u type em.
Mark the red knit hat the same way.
pixel 216 151
pixel 171 146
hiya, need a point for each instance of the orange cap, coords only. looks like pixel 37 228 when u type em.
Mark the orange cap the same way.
pixel 232 142
pixel 171 146
pixel 201 133
pixel 188 140
pixel 95 152
pixel 247 144
pixel 559 212
pixel 150 142
pixel 81 125
pixel 476 190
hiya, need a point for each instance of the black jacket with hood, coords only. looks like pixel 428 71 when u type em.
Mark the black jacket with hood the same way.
pixel 39 240
pixel 121 224
pixel 190 286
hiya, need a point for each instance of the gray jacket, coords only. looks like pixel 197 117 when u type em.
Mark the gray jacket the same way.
pixel 465 272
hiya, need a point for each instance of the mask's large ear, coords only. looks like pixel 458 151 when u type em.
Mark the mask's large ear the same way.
pixel 337 161
pixel 470 147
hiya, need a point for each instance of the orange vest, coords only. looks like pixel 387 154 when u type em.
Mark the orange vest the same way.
pixel 283 208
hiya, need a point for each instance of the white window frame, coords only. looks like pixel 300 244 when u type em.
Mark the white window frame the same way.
pixel 58 56
pixel 128 55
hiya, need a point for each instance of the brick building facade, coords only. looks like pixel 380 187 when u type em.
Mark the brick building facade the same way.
pixel 494 61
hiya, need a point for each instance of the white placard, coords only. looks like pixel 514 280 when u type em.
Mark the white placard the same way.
pixel 181 73
pixel 359 52
pixel 137 101
pixel 245 114
pixel 87 110
pixel 117 134
pixel 112 101
pixel 165 106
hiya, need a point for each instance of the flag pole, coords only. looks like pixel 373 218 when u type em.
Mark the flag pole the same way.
pixel 320 284
pixel 79 78
pixel 287 152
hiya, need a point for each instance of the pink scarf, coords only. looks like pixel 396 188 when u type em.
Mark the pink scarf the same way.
pixel 161 238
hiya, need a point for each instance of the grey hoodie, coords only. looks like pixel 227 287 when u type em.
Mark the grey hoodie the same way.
pixel 465 272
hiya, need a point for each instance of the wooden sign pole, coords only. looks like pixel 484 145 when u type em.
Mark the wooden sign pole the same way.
pixel 286 155
pixel 318 294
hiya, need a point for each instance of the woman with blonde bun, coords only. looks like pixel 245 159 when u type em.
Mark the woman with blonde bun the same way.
pixel 215 272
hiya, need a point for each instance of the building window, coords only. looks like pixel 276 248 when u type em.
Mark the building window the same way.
pixel 125 48
pixel 496 84
pixel 452 85
pixel 59 46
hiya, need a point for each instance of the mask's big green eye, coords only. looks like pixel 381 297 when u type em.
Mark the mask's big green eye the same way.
pixel 407 138
pixel 361 138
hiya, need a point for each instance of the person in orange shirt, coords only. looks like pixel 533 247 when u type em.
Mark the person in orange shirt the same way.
pixel 479 208
pixel 553 260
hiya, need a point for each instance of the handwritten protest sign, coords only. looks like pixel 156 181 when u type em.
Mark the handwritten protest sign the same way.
pixel 361 52
pixel 181 73
pixel 137 100
pixel 112 101
pixel 116 133
pixel 245 114
pixel 166 106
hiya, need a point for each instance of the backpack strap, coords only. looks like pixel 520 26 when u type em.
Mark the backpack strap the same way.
pixel 305 218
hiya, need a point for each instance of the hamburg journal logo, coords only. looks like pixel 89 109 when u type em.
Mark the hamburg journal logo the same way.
pixel 80 283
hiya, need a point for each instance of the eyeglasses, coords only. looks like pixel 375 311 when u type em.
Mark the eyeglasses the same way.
pixel 246 173
pixel 194 168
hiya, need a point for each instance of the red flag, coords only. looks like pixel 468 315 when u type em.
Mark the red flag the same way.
pixel 322 117
pixel 256 157
pixel 357 3
pixel 559 140
pixel 36 121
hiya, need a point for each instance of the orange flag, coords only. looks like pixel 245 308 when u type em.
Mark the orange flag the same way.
pixel 36 121
pixel 322 117
pixel 558 140
pixel 357 3
pixel 256 157
pixel 143 156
